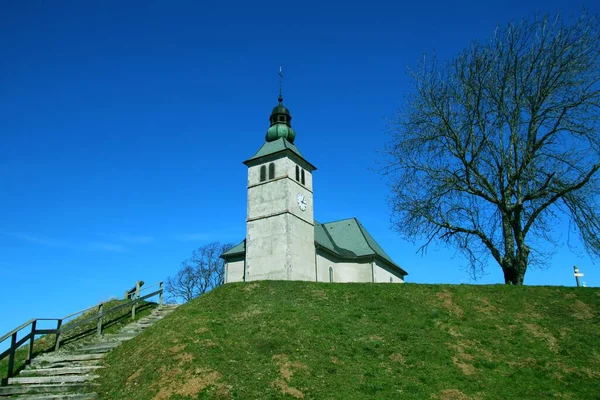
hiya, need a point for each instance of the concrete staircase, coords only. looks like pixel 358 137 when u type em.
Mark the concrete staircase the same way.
pixel 70 374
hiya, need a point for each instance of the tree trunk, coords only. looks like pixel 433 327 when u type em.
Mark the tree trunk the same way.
pixel 513 276
pixel 514 267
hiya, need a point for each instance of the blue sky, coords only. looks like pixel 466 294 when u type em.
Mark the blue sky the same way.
pixel 124 126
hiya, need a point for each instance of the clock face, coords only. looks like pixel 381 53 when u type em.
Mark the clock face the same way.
pixel 301 201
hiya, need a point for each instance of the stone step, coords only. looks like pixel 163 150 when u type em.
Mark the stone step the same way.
pixel 34 380
pixel 119 336
pixel 71 396
pixel 98 348
pixel 119 339
pixel 131 330
pixel 67 364
pixel 46 389
pixel 65 357
pixel 58 364
pixel 60 371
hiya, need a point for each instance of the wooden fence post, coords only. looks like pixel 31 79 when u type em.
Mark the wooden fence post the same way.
pixel 31 339
pixel 57 344
pixel 11 356
pixel 160 296
pixel 137 296
pixel 100 314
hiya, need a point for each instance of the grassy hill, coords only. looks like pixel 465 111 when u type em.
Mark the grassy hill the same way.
pixel 279 340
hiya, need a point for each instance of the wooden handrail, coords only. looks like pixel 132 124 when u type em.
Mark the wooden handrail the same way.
pixel 80 312
pixel 101 312
pixel 9 334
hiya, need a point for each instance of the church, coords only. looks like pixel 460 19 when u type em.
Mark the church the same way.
pixel 283 240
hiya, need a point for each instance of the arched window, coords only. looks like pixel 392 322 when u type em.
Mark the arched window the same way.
pixel 297 173
pixel 303 177
pixel 263 173
pixel 330 273
pixel 271 171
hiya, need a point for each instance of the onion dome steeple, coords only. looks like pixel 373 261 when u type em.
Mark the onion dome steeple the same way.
pixel 280 119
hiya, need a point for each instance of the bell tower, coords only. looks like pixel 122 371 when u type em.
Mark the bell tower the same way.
pixel 280 224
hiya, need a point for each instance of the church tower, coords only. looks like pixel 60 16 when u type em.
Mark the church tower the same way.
pixel 280 232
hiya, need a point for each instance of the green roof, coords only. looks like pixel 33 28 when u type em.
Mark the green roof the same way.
pixel 275 146
pixel 347 239
pixel 237 249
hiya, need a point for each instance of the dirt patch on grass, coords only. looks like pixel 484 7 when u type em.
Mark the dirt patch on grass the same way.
pixel 287 369
pixel 529 313
pixel 336 361
pixel 376 338
pixel 133 377
pixel 563 395
pixel 485 307
pixel 570 296
pixel 286 389
pixel 320 294
pixel 250 287
pixel 251 312
pixel 451 394
pixel 560 369
pixel 196 384
pixel 397 358
pixel 565 332
pixel 465 368
pixel 176 380
pixel 186 383
pixel 184 358
pixel 464 358
pixel 539 333
pixel 206 343
pixel 201 331
pixel 177 349
pixel 447 328
pixel 581 310
pixel 522 363
pixel 448 303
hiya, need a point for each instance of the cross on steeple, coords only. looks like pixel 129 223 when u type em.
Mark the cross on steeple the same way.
pixel 280 86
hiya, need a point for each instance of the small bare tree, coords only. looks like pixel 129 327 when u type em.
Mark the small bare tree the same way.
pixel 495 146
pixel 199 274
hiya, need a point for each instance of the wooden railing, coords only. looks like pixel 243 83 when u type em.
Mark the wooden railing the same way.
pixel 134 296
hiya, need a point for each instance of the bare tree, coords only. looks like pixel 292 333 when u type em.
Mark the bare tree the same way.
pixel 495 146
pixel 199 274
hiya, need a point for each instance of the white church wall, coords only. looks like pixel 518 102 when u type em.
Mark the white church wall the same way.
pixel 383 273
pixel 301 250
pixel 291 171
pixel 266 249
pixel 284 167
pixel 308 213
pixel 266 199
pixel 354 272
pixel 343 271
pixel 324 260
pixel 234 269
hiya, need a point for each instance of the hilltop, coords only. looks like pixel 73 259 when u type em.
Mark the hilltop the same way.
pixel 272 340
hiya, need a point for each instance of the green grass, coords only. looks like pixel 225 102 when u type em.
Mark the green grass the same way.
pixel 77 336
pixel 278 340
